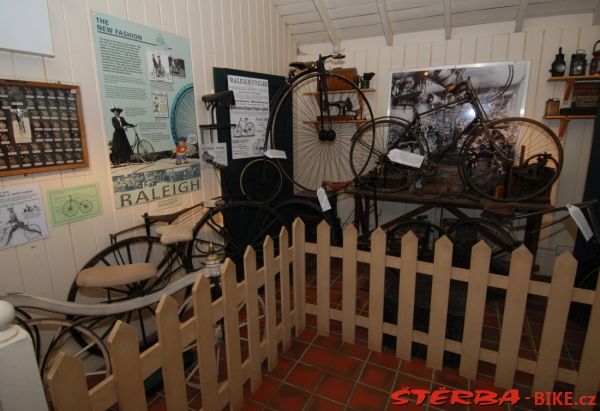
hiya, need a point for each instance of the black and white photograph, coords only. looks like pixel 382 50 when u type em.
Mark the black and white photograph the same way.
pixel 158 66
pixel 177 66
pixel 20 125
pixel 501 88
pixel 160 104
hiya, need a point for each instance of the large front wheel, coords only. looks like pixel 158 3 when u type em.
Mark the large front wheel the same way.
pixel 518 160
pixel 320 142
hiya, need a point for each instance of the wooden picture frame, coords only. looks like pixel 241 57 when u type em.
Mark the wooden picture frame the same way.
pixel 41 128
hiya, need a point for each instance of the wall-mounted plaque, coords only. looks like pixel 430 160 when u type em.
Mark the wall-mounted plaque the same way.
pixel 41 127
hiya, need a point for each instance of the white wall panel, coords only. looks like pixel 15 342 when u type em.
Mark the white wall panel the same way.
pixel 239 34
pixel 538 43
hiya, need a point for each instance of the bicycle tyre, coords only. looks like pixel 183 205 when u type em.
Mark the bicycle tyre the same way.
pixel 496 170
pixel 127 251
pixel 34 231
pixel 145 147
pixel 312 215
pixel 70 208
pixel 261 180
pixel 85 206
pixel 231 228
pixel 370 165
pixel 426 232
pixel 468 232
pixel 316 160
pixel 250 129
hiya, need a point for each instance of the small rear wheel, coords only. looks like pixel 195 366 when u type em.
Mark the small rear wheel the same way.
pixel 261 180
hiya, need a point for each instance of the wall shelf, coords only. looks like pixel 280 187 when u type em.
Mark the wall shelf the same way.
pixel 564 121
pixel 570 82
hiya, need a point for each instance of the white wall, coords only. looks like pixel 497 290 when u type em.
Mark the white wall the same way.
pixel 241 34
pixel 538 43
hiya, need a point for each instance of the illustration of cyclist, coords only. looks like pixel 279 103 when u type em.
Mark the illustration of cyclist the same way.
pixel 15 224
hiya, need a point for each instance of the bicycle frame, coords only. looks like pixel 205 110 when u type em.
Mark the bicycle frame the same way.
pixel 470 97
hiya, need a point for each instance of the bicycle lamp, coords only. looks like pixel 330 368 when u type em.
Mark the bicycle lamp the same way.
pixel 578 63
pixel 213 263
pixel 558 65
pixel 365 79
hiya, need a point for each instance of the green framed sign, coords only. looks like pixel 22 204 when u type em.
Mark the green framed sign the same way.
pixel 68 205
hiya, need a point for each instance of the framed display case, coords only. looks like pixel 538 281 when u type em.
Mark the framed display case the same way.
pixel 41 127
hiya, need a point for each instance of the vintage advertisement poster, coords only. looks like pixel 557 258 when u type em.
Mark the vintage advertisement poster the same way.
pixel 21 216
pixel 249 115
pixel 501 88
pixel 71 204
pixel 149 110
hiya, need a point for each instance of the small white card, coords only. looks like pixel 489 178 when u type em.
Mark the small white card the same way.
pixel 581 221
pixel 218 152
pixel 272 153
pixel 323 199
pixel 406 158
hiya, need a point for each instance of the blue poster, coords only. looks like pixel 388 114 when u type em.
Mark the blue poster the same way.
pixel 147 94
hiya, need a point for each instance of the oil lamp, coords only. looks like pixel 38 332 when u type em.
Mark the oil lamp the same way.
pixel 578 63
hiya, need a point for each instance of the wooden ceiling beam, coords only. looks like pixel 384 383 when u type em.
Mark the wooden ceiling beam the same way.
pixel 447 19
pixel 521 16
pixel 332 33
pixel 385 22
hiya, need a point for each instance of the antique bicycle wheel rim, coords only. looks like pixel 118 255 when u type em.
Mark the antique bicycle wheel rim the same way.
pixel 141 249
pixel 467 233
pixel 317 160
pixel 311 215
pixel 230 229
pixel 261 180
pixel 496 169
pixel 369 160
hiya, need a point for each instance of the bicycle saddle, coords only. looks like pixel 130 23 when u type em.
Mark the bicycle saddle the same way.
pixel 174 233
pixel 165 218
pixel 223 99
pixel 300 65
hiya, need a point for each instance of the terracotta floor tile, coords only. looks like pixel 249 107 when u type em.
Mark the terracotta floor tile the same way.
pixel 322 404
pixel 289 398
pixel 251 406
pixel 265 391
pixel 317 357
pixel 411 406
pixel 417 368
pixel 304 376
pixel 385 359
pixel 159 404
pixel 365 398
pixel 359 351
pixel 378 377
pixel 307 335
pixel 406 380
pixel 335 388
pixel 333 342
pixel 345 366
pixel 283 367
pixel 445 404
pixel 296 350
pixel 449 377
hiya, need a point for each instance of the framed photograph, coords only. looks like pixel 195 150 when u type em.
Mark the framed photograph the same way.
pixel 177 66
pixel 41 127
pixel 160 104
pixel 501 87
pixel 158 66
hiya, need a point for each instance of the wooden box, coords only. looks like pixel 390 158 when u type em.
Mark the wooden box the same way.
pixel 334 84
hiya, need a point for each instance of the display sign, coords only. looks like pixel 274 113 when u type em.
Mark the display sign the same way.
pixel 41 127
pixel 21 216
pixel 249 116
pixel 71 204
pixel 149 110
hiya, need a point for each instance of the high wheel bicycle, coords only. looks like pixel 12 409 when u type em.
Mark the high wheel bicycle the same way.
pixel 73 206
pixel 319 134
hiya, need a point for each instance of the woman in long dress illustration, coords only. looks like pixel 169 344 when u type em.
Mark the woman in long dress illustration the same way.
pixel 120 148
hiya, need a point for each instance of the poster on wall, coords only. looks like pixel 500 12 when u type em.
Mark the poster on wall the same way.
pixel 22 217
pixel 71 204
pixel 249 115
pixel 149 110
pixel 501 88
